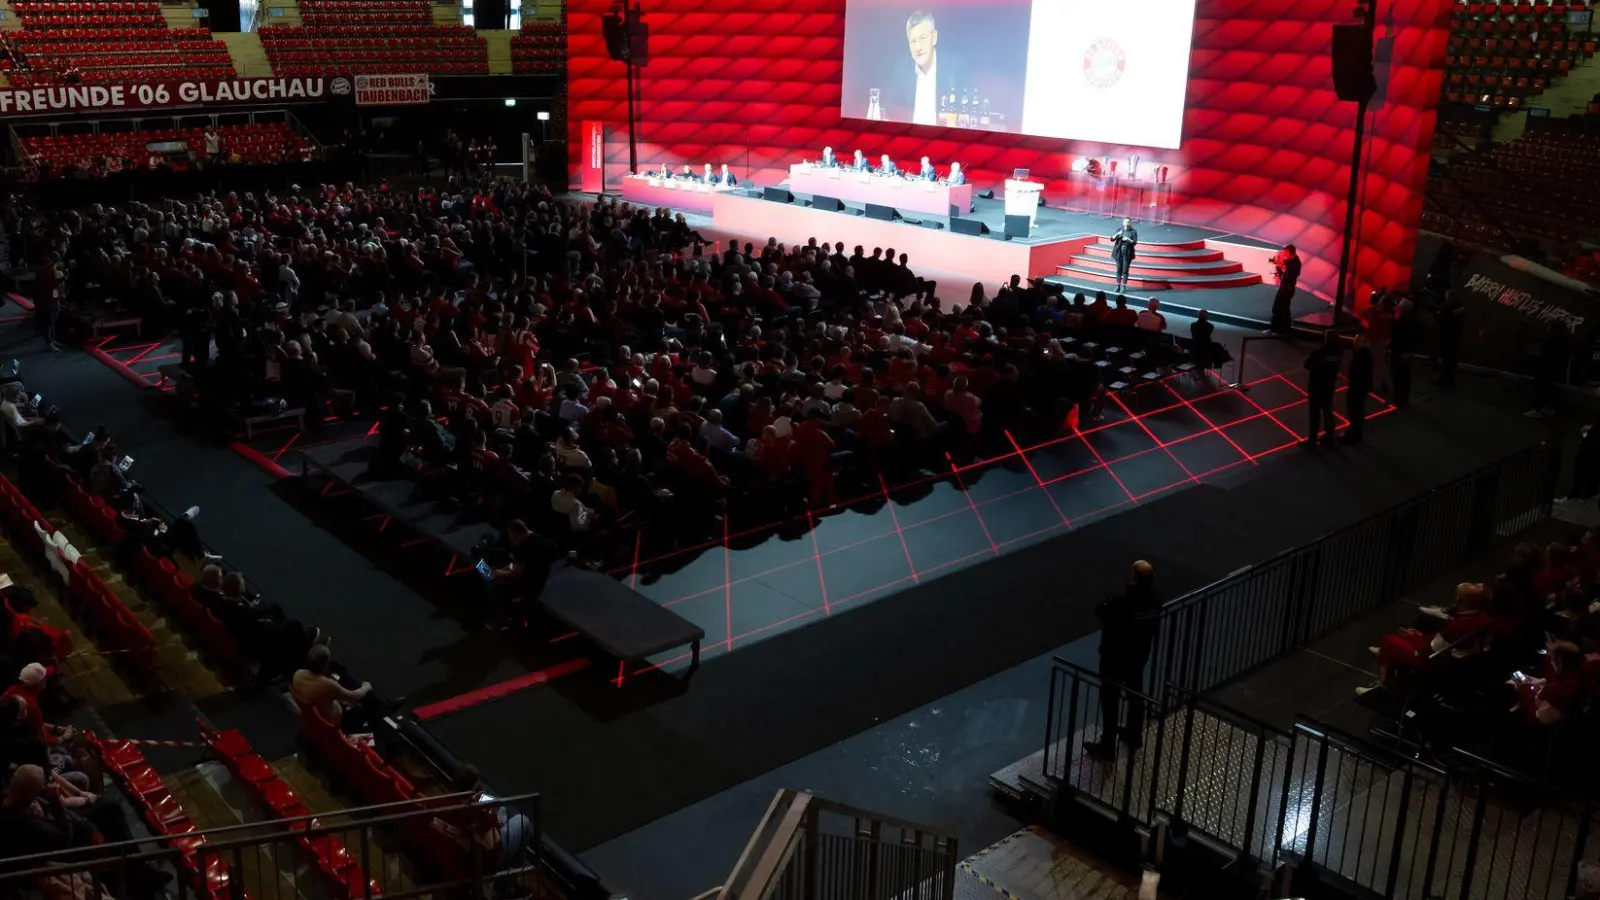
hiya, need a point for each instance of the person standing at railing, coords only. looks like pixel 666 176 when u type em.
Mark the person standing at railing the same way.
pixel 1128 625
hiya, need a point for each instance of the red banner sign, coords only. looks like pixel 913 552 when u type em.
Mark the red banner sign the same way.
pixel 593 168
pixel 392 90
pixel 77 98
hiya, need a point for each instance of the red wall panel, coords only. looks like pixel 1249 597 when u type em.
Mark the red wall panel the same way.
pixel 1266 147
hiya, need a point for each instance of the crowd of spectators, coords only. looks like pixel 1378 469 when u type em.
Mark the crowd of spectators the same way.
pixel 1510 666
pixel 583 365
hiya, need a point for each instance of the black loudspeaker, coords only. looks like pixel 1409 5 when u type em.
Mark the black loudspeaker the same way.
pixel 831 204
pixel 777 195
pixel 1352 63
pixel 885 213
pixel 974 227
pixel 1017 226
pixel 986 195
pixel 621 42
pixel 614 30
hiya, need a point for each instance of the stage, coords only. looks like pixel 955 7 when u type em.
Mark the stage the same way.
pixel 1186 267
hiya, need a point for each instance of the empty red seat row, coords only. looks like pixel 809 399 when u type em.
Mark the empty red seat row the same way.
pixel 120 34
pixel 326 853
pixel 107 76
pixel 63 20
pixel 113 6
pixel 253 143
pixel 376 68
pixel 377 782
pixel 273 31
pixel 205 874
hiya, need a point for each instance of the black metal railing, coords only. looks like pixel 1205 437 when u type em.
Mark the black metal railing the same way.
pixel 1312 803
pixel 808 848
pixel 1259 613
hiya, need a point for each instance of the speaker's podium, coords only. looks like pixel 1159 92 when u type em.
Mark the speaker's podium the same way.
pixel 1022 199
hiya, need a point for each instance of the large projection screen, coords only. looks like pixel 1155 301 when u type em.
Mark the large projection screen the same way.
pixel 1088 70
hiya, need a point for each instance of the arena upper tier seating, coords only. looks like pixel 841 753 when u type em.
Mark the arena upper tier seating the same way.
pixel 259 143
pixel 1503 53
pixel 351 37
pixel 540 48
pixel 123 40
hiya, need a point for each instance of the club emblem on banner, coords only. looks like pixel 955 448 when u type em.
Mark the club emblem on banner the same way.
pixel 1103 63
pixel 339 87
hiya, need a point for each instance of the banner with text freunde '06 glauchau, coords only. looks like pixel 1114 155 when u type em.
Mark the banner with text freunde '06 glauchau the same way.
pixel 59 99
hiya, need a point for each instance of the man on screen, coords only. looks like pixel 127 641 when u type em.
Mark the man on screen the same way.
pixel 828 160
pixel 927 173
pixel 886 166
pixel 913 95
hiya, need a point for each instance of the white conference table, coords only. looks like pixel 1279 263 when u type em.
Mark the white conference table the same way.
pixel 885 190
pixel 676 193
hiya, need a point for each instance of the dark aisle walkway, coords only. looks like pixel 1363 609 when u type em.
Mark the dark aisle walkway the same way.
pixel 385 631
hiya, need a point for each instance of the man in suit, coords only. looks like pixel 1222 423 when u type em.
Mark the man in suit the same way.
pixel 709 177
pixel 913 94
pixel 688 174
pixel 665 173
pixel 886 166
pixel 1322 382
pixel 1128 627
pixel 860 163
pixel 828 159
pixel 1122 251
pixel 727 178
pixel 1288 278
pixel 956 176
pixel 1358 387
pixel 928 173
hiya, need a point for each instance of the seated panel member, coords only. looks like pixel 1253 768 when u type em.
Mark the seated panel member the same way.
pixel 860 163
pixel 727 178
pixel 886 166
pixel 956 176
pixel 928 172
pixel 666 172
pixel 710 177
pixel 688 174
pixel 828 160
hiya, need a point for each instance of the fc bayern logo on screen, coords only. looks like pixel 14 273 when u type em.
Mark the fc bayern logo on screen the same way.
pixel 1103 63
pixel 339 86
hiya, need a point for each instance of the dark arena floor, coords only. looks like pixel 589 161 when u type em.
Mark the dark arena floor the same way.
pixel 822 627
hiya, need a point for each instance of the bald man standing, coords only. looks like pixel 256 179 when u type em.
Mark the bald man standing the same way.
pixel 1128 626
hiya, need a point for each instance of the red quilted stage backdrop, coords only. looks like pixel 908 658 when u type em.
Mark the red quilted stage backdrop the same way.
pixel 1266 149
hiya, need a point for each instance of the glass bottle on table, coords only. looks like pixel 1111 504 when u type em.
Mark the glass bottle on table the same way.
pixel 983 113
pixel 965 119
pixel 949 118
pixel 875 105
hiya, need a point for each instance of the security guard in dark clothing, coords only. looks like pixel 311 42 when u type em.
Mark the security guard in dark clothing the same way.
pixel 1128 627
pixel 1322 378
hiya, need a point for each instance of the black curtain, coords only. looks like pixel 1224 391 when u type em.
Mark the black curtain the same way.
pixel 224 14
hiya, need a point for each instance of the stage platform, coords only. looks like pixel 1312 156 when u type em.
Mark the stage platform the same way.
pixel 1187 267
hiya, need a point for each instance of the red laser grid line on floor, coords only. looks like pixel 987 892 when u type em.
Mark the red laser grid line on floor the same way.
pixel 816 554
pixel 961 486
pixel 496 691
pixel 1210 424
pixel 1162 445
pixel 1040 481
pixel 888 503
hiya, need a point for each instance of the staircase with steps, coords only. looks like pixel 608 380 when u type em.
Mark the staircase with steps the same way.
pixel 447 14
pixel 249 57
pixel 180 16
pixel 1157 267
pixel 497 45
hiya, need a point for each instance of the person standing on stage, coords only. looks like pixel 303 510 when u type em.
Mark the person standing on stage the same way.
pixel 927 173
pixel 1122 251
pixel 1322 379
pixel 1128 627
pixel 1358 385
pixel 1404 342
pixel 828 160
pixel 1288 271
